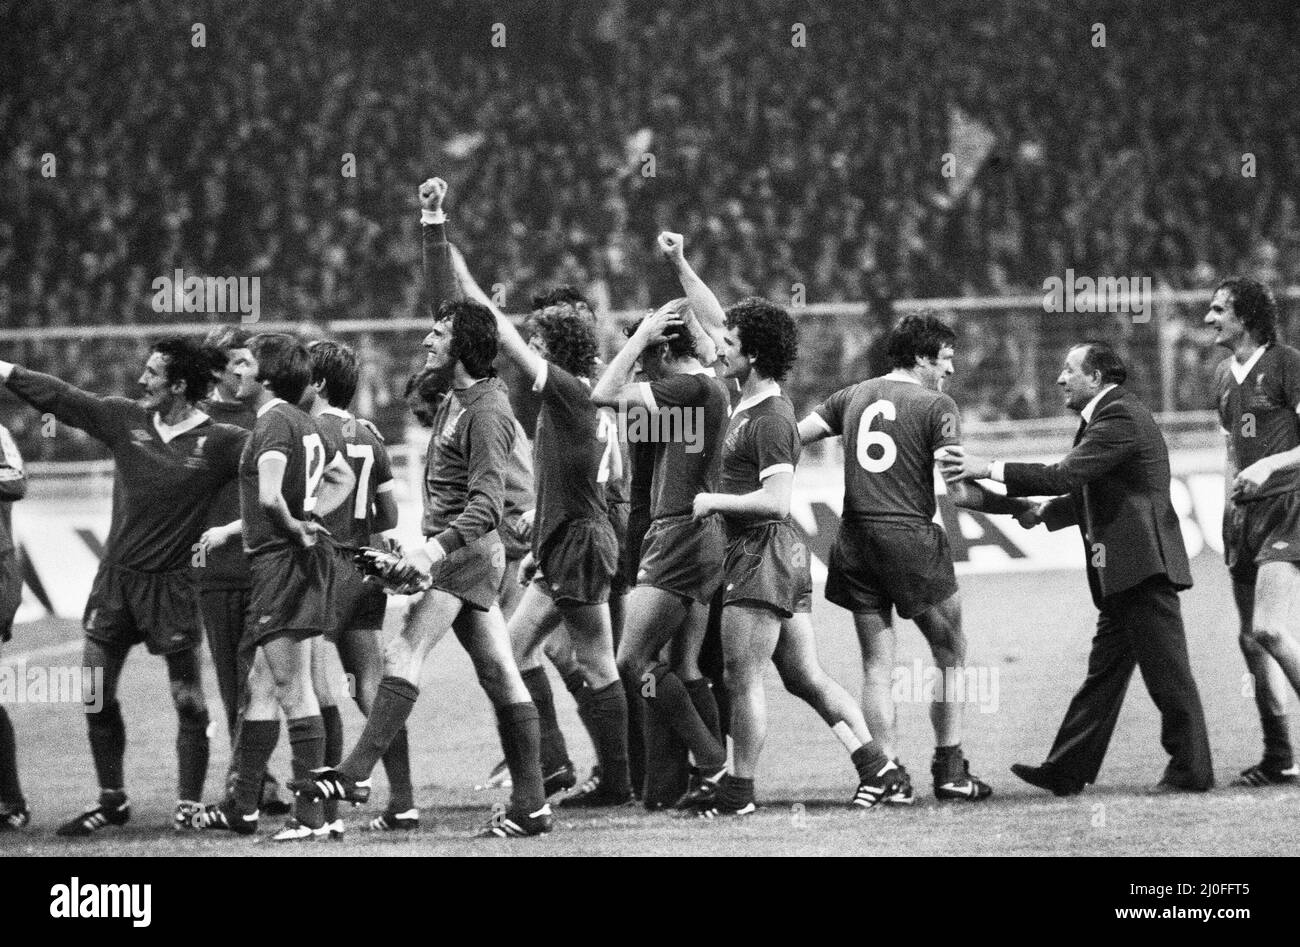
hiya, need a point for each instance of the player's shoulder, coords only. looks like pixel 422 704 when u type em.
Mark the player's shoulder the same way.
pixel 1282 354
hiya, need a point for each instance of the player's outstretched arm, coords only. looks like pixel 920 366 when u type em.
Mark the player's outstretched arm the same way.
pixel 13 479
pixel 973 496
pixel 613 390
pixel 80 409
pixel 770 501
pixel 813 428
pixel 512 343
pixel 710 318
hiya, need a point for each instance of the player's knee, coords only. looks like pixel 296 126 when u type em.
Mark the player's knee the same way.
pixel 190 704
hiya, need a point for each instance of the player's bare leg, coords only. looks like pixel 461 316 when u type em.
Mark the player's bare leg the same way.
pixel 327 695
pixel 102 663
pixel 485 638
pixel 14 814
pixel 941 625
pixel 290 663
pixel 1266 612
pixel 362 658
pixel 879 645
pixel 192 746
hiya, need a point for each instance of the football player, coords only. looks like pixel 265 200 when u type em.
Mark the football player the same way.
pixel 13 486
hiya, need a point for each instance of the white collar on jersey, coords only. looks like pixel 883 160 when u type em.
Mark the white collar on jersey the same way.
pixel 1242 371
pixel 168 432
pixel 337 412
pixel 269 405
pixel 757 398
pixel 901 376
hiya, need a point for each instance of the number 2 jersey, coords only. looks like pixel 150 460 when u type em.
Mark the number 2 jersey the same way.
pixel 284 429
pixel 1258 413
pixel 892 426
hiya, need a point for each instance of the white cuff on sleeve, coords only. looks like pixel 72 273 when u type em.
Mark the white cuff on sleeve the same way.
pixel 540 383
pixel 433 549
pixel 432 216
pixel 648 396
pixel 775 469
pixel 6 368
pixel 996 470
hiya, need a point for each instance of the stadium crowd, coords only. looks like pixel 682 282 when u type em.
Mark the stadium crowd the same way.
pixel 782 164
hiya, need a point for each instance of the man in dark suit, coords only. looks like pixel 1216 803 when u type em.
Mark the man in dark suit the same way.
pixel 1114 485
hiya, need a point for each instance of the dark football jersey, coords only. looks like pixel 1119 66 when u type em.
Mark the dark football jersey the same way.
pixel 292 432
pixel 892 427
pixel 762 440
pixel 162 488
pixel 1259 413
pixel 469 453
pixel 353 521
pixel 569 454
pixel 226 566
pixel 687 425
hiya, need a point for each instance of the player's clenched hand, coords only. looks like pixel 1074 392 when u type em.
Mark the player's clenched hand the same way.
pixel 1249 480
pixel 703 505
pixel 432 193
pixel 672 245
pixel 524 525
pixel 956 464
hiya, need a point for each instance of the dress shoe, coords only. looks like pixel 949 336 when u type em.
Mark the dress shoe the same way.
pixel 1044 778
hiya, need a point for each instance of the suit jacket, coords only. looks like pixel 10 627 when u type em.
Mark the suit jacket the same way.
pixel 1114 485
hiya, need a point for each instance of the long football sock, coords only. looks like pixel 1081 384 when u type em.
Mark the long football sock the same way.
pixel 393 704
pixel 397 766
pixel 108 744
pixel 333 722
pixel 555 753
pixel 257 740
pixel 671 700
pixel 11 793
pixel 1277 740
pixel 667 767
pixel 636 742
pixel 607 720
pixel 191 753
pixel 520 731
pixel 307 742
pixel 868 759
pixel 735 792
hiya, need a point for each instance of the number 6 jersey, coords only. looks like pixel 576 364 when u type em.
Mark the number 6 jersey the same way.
pixel 892 426
pixel 283 429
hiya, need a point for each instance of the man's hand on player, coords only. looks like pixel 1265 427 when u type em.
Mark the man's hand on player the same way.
pixel 956 464
pixel 673 246
pixel 527 569
pixel 703 505
pixel 1030 517
pixel 1249 480
pixel 215 537
pixel 432 193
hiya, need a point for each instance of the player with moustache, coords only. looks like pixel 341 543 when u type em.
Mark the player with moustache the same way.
pixel 767 586
pixel 170 462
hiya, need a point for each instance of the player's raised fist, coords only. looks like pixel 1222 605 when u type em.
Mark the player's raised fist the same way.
pixel 672 245
pixel 432 193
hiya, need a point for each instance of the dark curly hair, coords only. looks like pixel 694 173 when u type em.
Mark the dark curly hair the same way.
pixel 564 296
pixel 336 365
pixel 283 364
pixel 681 342
pixel 570 337
pixel 187 360
pixel 767 333
pixel 1254 305
pixel 473 335
pixel 922 334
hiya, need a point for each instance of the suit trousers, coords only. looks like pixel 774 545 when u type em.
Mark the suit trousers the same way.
pixel 1142 627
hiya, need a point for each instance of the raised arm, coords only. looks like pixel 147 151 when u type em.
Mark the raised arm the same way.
pixel 511 342
pixel 95 415
pixel 439 277
pixel 707 309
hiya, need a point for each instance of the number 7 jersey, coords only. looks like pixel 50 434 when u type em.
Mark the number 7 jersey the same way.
pixel 284 429
pixel 892 426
